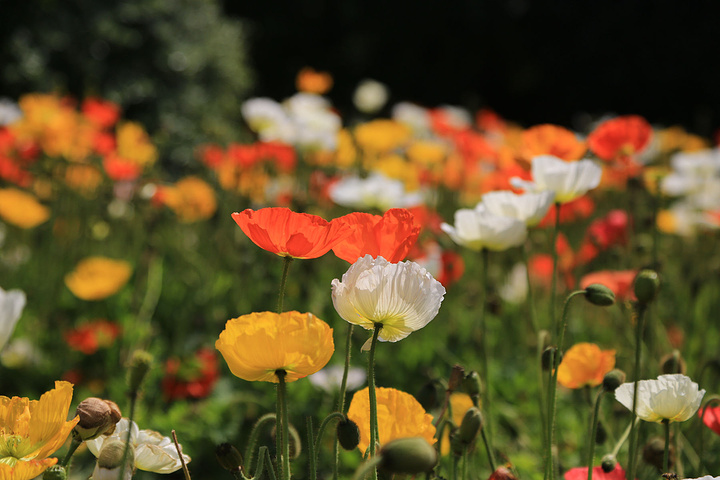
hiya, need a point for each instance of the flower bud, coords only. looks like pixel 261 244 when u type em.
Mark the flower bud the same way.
pixel 55 472
pixel 672 363
pixel 546 360
pixel 470 426
pixel 473 385
pixel 654 451
pixel 612 380
pixel 139 367
pixel 408 455
pixel 456 378
pixel 109 461
pixel 97 417
pixel 646 287
pixel 600 434
pixel 502 473
pixel 608 463
pixel 348 434
pixel 599 295
pixel 228 457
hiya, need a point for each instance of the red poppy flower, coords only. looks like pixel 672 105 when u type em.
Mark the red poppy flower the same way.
pixel 610 230
pixel 120 169
pixel 619 281
pixel 711 418
pixel 389 236
pixel 581 473
pixel 577 209
pixel 553 140
pixel 191 379
pixel 101 112
pixel 289 234
pixel 92 336
pixel 620 137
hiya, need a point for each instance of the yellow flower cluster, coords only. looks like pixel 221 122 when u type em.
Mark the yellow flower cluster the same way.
pixel 95 278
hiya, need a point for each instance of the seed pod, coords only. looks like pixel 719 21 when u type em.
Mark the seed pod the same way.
pixel 348 434
pixel 599 295
pixel 408 455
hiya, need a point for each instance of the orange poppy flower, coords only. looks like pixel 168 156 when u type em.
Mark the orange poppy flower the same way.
pixel 620 137
pixel 619 281
pixel 289 234
pixel 389 236
pixel 585 364
pixel 310 81
pixel 553 140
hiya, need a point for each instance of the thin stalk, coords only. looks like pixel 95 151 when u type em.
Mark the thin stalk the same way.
pixel 126 450
pixel 486 396
pixel 185 470
pixel 666 453
pixel 463 472
pixel 74 444
pixel 593 433
pixel 312 453
pixel 372 396
pixel 488 450
pixel 253 439
pixel 622 439
pixel 341 399
pixel 282 400
pixel 283 281
pixel 553 284
pixel 636 377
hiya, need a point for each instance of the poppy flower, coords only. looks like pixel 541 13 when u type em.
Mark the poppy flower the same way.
pixel 90 337
pixel 479 228
pixel 21 209
pixel 192 378
pixel 619 137
pixel 569 180
pixel 289 234
pixel 402 296
pixel 578 209
pixel 12 303
pixel 585 364
pixel 96 278
pixel 389 236
pixel 102 113
pixel 191 198
pixel 400 415
pixel 311 81
pixel 581 473
pixel 553 140
pixel 619 281
pixel 257 345
pixel 675 398
pixel 711 418
pixel 529 208
pixel 32 430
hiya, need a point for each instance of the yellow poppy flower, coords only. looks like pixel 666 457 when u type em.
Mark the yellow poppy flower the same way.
pixel 21 209
pixel 30 430
pixel 585 364
pixel 95 278
pixel 191 198
pixel 399 416
pixel 381 136
pixel 256 345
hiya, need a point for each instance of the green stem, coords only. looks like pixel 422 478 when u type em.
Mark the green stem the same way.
pixel 666 453
pixel 126 450
pixel 282 401
pixel 371 393
pixel 593 433
pixel 463 473
pixel 253 439
pixel 636 377
pixel 623 439
pixel 364 469
pixel 553 280
pixel 486 400
pixel 341 399
pixel 530 302
pixel 325 423
pixel 283 281
pixel 312 453
pixel 74 444
pixel 488 450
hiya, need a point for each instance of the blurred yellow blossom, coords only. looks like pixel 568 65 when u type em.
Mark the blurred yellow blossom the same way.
pixel 381 136
pixel 191 198
pixel 426 152
pixel 95 278
pixel 585 364
pixel 33 429
pixel 133 144
pixel 21 209
pixel 84 179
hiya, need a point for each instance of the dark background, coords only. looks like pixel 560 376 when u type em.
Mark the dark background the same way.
pixel 533 61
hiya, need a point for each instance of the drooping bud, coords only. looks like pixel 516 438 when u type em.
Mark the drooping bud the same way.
pixel 55 472
pixel 109 462
pixel 97 417
pixel 612 380
pixel 408 455
pixel 456 377
pixel 646 287
pixel 608 463
pixel 470 426
pixel 348 434
pixel 550 357
pixel 228 457
pixel 672 363
pixel 599 295
pixel 139 367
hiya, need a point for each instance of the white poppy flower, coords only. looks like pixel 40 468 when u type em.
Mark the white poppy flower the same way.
pixel 370 96
pixel 529 208
pixel 671 397
pixel 477 229
pixel 413 116
pixel 375 191
pixel 12 303
pixel 402 296
pixel 330 378
pixel 269 120
pixel 153 452
pixel 569 180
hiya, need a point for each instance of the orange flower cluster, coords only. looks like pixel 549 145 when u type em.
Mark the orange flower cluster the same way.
pixel 53 126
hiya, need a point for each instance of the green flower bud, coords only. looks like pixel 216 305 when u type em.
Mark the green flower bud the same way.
pixel 546 358
pixel 600 434
pixel 228 457
pixel 457 446
pixel 408 455
pixel 472 384
pixel 608 463
pixel 672 363
pixel 348 434
pixel 646 287
pixel 599 295
pixel 612 380
pixel 56 472
pixel 139 367
pixel 470 426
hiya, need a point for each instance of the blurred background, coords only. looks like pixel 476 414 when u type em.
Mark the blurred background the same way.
pixel 183 67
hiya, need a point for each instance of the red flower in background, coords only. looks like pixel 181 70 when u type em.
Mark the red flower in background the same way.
pixel 90 337
pixel 289 234
pixel 120 169
pixel 577 209
pixel 540 266
pixel 193 378
pixel 446 266
pixel 389 236
pixel 552 140
pixel 604 233
pixel 711 418
pixel 620 137
pixel 102 113
pixel 581 473
pixel 619 281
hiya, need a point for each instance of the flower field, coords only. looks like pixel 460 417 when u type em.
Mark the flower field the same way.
pixel 435 293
